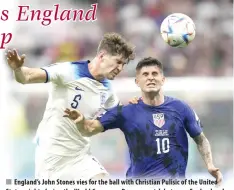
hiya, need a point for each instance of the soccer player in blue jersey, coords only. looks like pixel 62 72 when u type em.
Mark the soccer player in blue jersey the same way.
pixel 155 128
pixel 61 151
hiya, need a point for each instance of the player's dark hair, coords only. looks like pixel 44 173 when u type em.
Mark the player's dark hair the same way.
pixel 115 44
pixel 149 61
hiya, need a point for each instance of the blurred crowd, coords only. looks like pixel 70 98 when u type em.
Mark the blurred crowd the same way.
pixel 210 54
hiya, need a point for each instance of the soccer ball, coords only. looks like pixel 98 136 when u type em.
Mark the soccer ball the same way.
pixel 178 30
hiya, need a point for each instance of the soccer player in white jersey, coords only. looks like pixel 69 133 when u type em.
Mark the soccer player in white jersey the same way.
pixel 62 152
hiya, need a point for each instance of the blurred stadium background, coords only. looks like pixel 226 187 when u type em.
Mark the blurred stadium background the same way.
pixel 201 74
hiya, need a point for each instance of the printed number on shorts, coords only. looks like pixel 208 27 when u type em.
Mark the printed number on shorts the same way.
pixel 163 145
pixel 76 99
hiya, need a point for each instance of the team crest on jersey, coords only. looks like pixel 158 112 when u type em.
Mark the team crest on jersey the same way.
pixel 103 97
pixel 159 120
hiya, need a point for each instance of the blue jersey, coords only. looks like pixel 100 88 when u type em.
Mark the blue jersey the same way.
pixel 156 136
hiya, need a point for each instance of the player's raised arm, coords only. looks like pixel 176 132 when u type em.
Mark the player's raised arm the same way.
pixel 24 75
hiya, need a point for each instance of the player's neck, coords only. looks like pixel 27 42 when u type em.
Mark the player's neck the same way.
pixel 95 70
pixel 153 99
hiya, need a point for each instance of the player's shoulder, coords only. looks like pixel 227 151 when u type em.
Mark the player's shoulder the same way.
pixel 124 109
pixel 56 64
pixel 68 63
pixel 129 108
pixel 177 103
pixel 80 63
pixel 80 66
pixel 173 100
pixel 82 71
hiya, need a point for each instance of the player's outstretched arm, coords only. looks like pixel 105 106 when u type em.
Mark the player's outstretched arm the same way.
pixel 24 75
pixel 86 127
pixel 204 148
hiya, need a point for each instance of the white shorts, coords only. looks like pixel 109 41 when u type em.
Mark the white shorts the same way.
pixel 69 168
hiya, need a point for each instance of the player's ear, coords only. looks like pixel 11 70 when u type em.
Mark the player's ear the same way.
pixel 137 82
pixel 101 54
pixel 163 80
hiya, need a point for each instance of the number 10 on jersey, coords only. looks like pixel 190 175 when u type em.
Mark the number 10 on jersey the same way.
pixel 163 145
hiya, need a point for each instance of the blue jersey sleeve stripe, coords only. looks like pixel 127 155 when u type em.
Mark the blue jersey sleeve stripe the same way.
pixel 47 75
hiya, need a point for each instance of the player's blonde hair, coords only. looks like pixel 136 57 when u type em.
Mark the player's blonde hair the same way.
pixel 115 44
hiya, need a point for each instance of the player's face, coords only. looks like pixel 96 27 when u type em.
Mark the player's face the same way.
pixel 111 65
pixel 150 79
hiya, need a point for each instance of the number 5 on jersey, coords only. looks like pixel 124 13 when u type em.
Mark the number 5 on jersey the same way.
pixel 75 101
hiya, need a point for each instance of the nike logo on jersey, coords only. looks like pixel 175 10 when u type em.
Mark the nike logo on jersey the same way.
pixel 78 88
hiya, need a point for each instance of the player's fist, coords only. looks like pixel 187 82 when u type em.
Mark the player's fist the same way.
pixel 14 60
pixel 215 172
pixel 74 115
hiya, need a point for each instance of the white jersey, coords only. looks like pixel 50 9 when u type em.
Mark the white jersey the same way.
pixel 72 86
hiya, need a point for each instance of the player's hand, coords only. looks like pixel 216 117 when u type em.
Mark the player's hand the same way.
pixel 134 100
pixel 74 115
pixel 215 172
pixel 14 60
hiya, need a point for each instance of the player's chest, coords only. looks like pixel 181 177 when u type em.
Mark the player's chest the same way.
pixel 86 99
pixel 160 121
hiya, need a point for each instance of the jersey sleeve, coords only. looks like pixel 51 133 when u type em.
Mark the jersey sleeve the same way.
pixel 192 122
pixel 112 119
pixel 58 73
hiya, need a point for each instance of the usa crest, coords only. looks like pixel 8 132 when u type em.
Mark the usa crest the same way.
pixel 158 119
